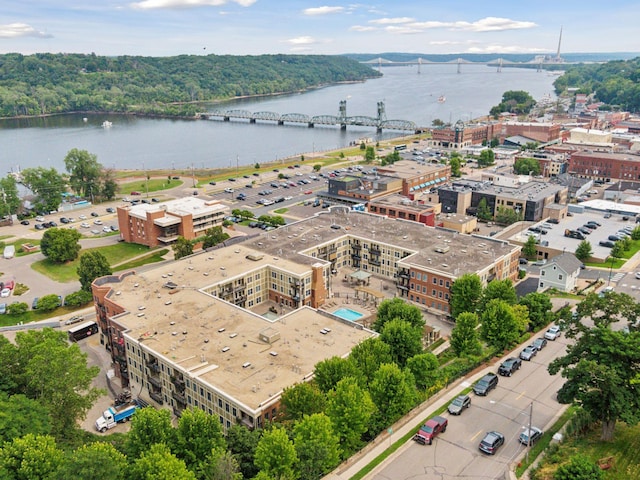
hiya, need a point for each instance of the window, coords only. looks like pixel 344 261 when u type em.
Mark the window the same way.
pixel 220 402
pixel 560 277
pixel 413 274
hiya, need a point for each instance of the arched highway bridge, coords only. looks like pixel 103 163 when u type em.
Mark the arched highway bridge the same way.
pixel 380 122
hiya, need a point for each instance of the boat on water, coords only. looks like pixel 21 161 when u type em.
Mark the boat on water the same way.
pixel 107 124
pixel 442 99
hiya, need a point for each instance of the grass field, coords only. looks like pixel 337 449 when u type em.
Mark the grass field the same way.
pixel 114 254
pixel 145 260
pixel 153 185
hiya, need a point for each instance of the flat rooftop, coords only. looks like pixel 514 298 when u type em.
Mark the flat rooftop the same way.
pixel 400 201
pixel 178 207
pixel 409 169
pixel 291 241
pixel 221 344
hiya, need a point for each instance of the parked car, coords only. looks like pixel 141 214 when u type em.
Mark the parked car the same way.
pixel 111 210
pixel 459 404
pixel 24 222
pixel 5 292
pixel 34 304
pixel 64 220
pixel 539 343
pixel 528 353
pixel 74 319
pixel 97 222
pixel 530 436
pixel 85 225
pixel 39 226
pixel 486 384
pixel 3 308
pixel 114 228
pixel 491 442
pixel 432 428
pixel 95 214
pixel 106 229
pixel 552 333
pixel 82 217
pixel 228 190
pixel 39 218
pixel 509 366
pixel 606 243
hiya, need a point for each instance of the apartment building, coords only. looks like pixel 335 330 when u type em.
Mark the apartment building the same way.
pixel 162 223
pixel 605 166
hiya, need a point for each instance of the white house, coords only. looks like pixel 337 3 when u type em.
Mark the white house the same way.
pixel 560 272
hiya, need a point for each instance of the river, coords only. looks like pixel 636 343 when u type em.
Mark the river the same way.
pixel 149 143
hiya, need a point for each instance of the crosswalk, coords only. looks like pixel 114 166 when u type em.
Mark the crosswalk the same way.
pixel 618 276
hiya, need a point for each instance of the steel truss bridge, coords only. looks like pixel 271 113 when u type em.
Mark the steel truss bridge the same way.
pixel 380 122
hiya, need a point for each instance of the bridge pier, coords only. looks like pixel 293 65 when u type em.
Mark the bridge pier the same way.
pixel 378 129
pixel 343 126
pixel 280 122
pixel 252 120
pixel 226 119
pixel 311 125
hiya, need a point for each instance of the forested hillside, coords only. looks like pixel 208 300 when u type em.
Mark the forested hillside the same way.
pixel 616 83
pixel 57 83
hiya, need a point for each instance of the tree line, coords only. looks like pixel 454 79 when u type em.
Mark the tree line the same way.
pixel 615 83
pixel 47 83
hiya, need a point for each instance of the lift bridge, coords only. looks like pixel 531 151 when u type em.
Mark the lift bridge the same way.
pixel 380 122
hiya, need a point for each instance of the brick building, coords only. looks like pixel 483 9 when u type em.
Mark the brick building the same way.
pixel 605 166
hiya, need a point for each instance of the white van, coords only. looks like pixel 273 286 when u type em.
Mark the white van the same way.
pixel 9 251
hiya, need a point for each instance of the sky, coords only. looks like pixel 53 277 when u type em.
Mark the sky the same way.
pixel 253 27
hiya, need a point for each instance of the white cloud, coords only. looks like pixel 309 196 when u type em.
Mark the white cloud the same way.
pixel 15 30
pixel 496 48
pixel 494 24
pixel 160 4
pixel 403 29
pixel 301 41
pixel 326 10
pixel 392 21
pixel 362 28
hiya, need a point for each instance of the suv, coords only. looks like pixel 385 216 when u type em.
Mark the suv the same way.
pixel 528 353
pixel 459 404
pixel 509 366
pixel 491 442
pixel 486 384
pixel 552 333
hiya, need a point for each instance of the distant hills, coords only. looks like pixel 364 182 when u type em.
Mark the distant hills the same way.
pixel 487 57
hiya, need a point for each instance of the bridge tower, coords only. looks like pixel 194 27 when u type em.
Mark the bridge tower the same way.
pixel 419 63
pixel 499 65
pixel 459 65
pixel 342 114
pixel 382 116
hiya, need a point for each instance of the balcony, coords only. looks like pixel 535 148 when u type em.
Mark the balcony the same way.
pixel 403 274
pixel 179 397
pixel 154 381
pixel 157 397
pixel 374 251
pixel 376 262
pixel 178 383
pixel 355 256
pixel 356 246
pixel 154 368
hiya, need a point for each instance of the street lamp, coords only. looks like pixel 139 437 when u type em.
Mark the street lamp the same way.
pixel 610 270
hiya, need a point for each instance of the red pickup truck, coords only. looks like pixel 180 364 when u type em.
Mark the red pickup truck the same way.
pixel 430 429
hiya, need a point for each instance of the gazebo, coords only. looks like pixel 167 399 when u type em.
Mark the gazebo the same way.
pixel 361 277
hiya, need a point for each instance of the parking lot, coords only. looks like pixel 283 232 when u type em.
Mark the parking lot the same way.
pixel 557 240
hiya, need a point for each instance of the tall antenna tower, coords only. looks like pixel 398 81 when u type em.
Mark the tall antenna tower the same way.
pixel 558 58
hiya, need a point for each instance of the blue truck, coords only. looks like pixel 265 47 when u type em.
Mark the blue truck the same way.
pixel 114 415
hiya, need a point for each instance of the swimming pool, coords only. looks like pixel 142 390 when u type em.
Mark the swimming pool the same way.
pixel 348 314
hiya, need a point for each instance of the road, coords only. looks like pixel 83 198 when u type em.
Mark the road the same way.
pixel 454 454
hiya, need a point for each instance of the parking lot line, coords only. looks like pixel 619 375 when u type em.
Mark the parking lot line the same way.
pixel 479 432
pixel 521 395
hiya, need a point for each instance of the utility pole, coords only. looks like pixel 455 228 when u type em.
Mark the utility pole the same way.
pixel 529 434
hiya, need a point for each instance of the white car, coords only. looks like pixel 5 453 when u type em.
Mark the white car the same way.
pixel 95 232
pixel 106 229
pixel 288 197
pixel 85 225
pixel 5 292
pixel 552 333
pixel 638 275
pixel 228 190
pixel 97 222
pixel 82 217
pixel 40 218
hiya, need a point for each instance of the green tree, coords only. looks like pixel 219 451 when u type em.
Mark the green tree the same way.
pixel 48 303
pixel 392 392
pixel 437 123
pixel 242 444
pixel 78 299
pixel 84 172
pixel 367 357
pixel 500 289
pixel 635 234
pixel 60 245
pixel 540 309
pixel 257 166
pixel 330 371
pixel 404 340
pixel 214 236
pixel 317 167
pixel 302 399
pixel 31 457
pixel 17 308
pixel 425 370
pixel 221 465
pixel 148 427
pixel 108 185
pixel 276 455
pixel 466 293
pixel 507 215
pixel 182 248
pixel 484 212
pixel 579 467
pixel 499 326
pixel 370 154
pixel 617 251
pixel 396 308
pixel 94 461
pixel 9 198
pixel 198 433
pixel 93 264
pixel 601 364
pixel 21 415
pixel 526 166
pixel 48 186
pixel 464 336
pixel 584 251
pixel 45 357
pixel 455 165
pixel 350 408
pixel 317 446
pixel 530 248
pixel 158 463
pixel 486 158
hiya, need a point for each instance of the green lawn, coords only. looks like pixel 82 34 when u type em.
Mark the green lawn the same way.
pixel 114 254
pixel 151 258
pixel 35 316
pixel 153 185
pixel 281 211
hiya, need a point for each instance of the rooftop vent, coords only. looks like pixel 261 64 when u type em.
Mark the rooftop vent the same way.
pixel 246 365
pixel 255 257
pixel 442 248
pixel 226 349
